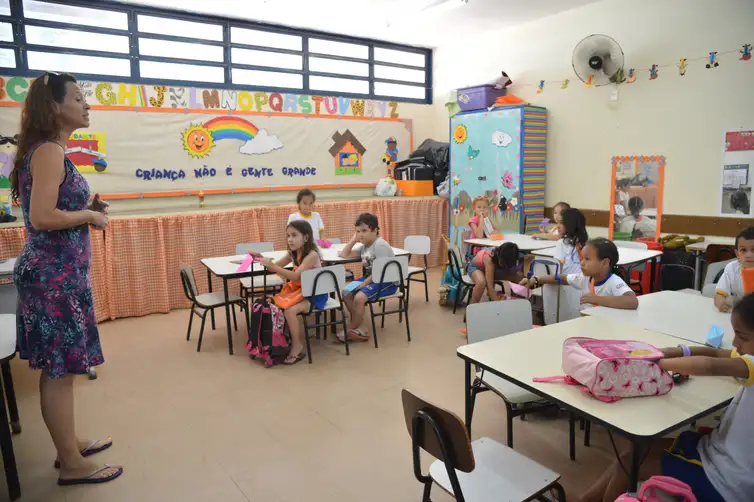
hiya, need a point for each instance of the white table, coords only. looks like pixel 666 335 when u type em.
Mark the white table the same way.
pixel 520 357
pixel 674 313
pixel 626 257
pixel 524 242
pixel 699 248
pixel 226 268
pixel 6 268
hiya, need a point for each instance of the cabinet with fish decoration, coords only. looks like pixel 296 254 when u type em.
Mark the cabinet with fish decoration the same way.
pixel 498 155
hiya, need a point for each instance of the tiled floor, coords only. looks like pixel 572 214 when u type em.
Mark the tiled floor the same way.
pixel 208 426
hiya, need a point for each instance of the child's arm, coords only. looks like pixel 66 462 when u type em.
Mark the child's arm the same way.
pixel 347 251
pixel 321 227
pixel 547 236
pixel 489 275
pixel 627 301
pixel 535 282
pixel 721 364
pixel 278 267
pixel 721 303
pixel 477 231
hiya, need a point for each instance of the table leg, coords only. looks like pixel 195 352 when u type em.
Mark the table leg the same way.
pixel 227 316
pixel 467 394
pixel 653 271
pixel 698 272
pixel 633 471
pixel 9 459
pixel 209 285
pixel 10 395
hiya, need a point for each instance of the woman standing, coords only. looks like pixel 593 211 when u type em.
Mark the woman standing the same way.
pixel 57 328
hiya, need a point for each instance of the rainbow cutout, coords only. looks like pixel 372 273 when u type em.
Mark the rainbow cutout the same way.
pixel 231 128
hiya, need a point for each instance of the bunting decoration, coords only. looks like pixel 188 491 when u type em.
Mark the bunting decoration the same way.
pixel 745 52
pixel 653 72
pixel 712 61
pixel 541 87
pixel 682 66
pixel 631 76
pixel 565 84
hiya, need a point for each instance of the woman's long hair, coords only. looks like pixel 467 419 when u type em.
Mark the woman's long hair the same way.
pixel 40 119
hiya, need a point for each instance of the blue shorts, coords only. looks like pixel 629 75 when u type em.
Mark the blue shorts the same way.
pixel 371 290
pixel 682 462
pixel 318 302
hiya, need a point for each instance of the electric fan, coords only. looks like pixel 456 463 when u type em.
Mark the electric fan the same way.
pixel 598 60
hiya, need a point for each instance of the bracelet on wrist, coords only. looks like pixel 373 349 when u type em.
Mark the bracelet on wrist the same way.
pixel 685 350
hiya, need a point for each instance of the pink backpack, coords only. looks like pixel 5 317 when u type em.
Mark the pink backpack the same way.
pixel 653 489
pixel 613 369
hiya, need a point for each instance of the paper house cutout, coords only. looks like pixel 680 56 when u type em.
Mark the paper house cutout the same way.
pixel 347 152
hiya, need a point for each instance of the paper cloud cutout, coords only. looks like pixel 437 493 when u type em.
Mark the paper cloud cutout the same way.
pixel 500 138
pixel 262 143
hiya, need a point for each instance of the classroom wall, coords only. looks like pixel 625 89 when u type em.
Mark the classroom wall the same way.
pixel 682 118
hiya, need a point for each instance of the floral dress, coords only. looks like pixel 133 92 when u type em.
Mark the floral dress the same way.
pixel 56 325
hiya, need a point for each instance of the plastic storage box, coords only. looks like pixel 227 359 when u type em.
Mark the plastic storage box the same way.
pixel 479 97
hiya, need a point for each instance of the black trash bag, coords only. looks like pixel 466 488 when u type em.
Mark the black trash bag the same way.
pixel 434 153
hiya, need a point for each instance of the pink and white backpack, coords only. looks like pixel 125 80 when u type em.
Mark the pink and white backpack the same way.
pixel 657 486
pixel 613 369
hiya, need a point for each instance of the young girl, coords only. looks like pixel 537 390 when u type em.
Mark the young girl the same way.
pixel 305 202
pixel 557 217
pixel 303 253
pixel 572 228
pixel 718 466
pixel 636 223
pixel 597 282
pixel 500 263
pixel 477 223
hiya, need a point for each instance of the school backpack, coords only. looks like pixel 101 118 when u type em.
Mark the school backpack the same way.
pixel 267 337
pixel 613 369
pixel 660 489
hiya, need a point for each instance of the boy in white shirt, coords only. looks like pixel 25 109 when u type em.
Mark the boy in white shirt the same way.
pixel 730 288
pixel 599 285
pixel 305 202
pixel 718 466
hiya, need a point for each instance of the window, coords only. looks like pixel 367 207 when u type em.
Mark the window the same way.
pixel 342 49
pixel 73 63
pixel 183 50
pixel 266 58
pixel 265 39
pixel 337 66
pixel 339 85
pixel 74 39
pixel 179 71
pixel 60 13
pixel 7 58
pixel 262 78
pixel 6 32
pixel 128 41
pixel 179 28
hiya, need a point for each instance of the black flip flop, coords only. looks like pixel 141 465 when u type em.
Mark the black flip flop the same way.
pixel 300 357
pixel 90 479
pixel 88 451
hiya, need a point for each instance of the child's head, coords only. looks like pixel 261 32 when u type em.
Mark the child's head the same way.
pixel 368 228
pixel 573 227
pixel 305 201
pixel 635 206
pixel 506 256
pixel 481 206
pixel 300 238
pixel 623 184
pixel 599 257
pixel 739 201
pixel 557 211
pixel 742 320
pixel 745 247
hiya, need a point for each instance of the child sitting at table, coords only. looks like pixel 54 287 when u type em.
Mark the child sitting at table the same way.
pixel 358 292
pixel 502 263
pixel 305 202
pixel 303 253
pixel 597 281
pixel 480 224
pixel 557 217
pixel 731 285
pixel 718 465
pixel 636 224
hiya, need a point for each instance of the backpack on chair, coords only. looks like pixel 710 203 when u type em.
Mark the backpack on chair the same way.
pixel 268 339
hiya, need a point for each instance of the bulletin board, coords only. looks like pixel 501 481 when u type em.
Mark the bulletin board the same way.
pixel 162 140
pixel 736 173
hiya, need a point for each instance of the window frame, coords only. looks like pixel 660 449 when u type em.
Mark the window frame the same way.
pixel 20 48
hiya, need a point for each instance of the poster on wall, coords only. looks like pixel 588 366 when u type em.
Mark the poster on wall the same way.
pixel 636 197
pixel 156 138
pixel 735 178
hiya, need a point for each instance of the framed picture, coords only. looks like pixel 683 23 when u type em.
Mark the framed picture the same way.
pixel 636 189
pixel 735 182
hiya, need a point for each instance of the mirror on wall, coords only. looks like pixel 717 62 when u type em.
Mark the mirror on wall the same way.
pixel 636 197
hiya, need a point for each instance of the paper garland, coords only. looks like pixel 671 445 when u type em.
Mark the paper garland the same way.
pixel 712 61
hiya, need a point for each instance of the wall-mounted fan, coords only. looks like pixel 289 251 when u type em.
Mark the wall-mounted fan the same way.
pixel 598 60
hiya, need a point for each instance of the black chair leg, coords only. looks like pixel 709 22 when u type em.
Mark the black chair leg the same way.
pixel 374 327
pixel 191 321
pixel 426 287
pixel 201 331
pixel 509 423
pixel 345 338
pixel 235 323
pixel 9 458
pixel 572 436
pixel 10 395
pixel 459 290
pixel 408 329
pixel 306 337
pixel 382 319
pixel 588 433
pixel 318 321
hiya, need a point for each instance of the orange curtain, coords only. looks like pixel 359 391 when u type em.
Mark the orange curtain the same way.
pixel 135 261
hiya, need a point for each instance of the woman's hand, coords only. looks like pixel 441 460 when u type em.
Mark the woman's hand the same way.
pixel 98 220
pixel 98 205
